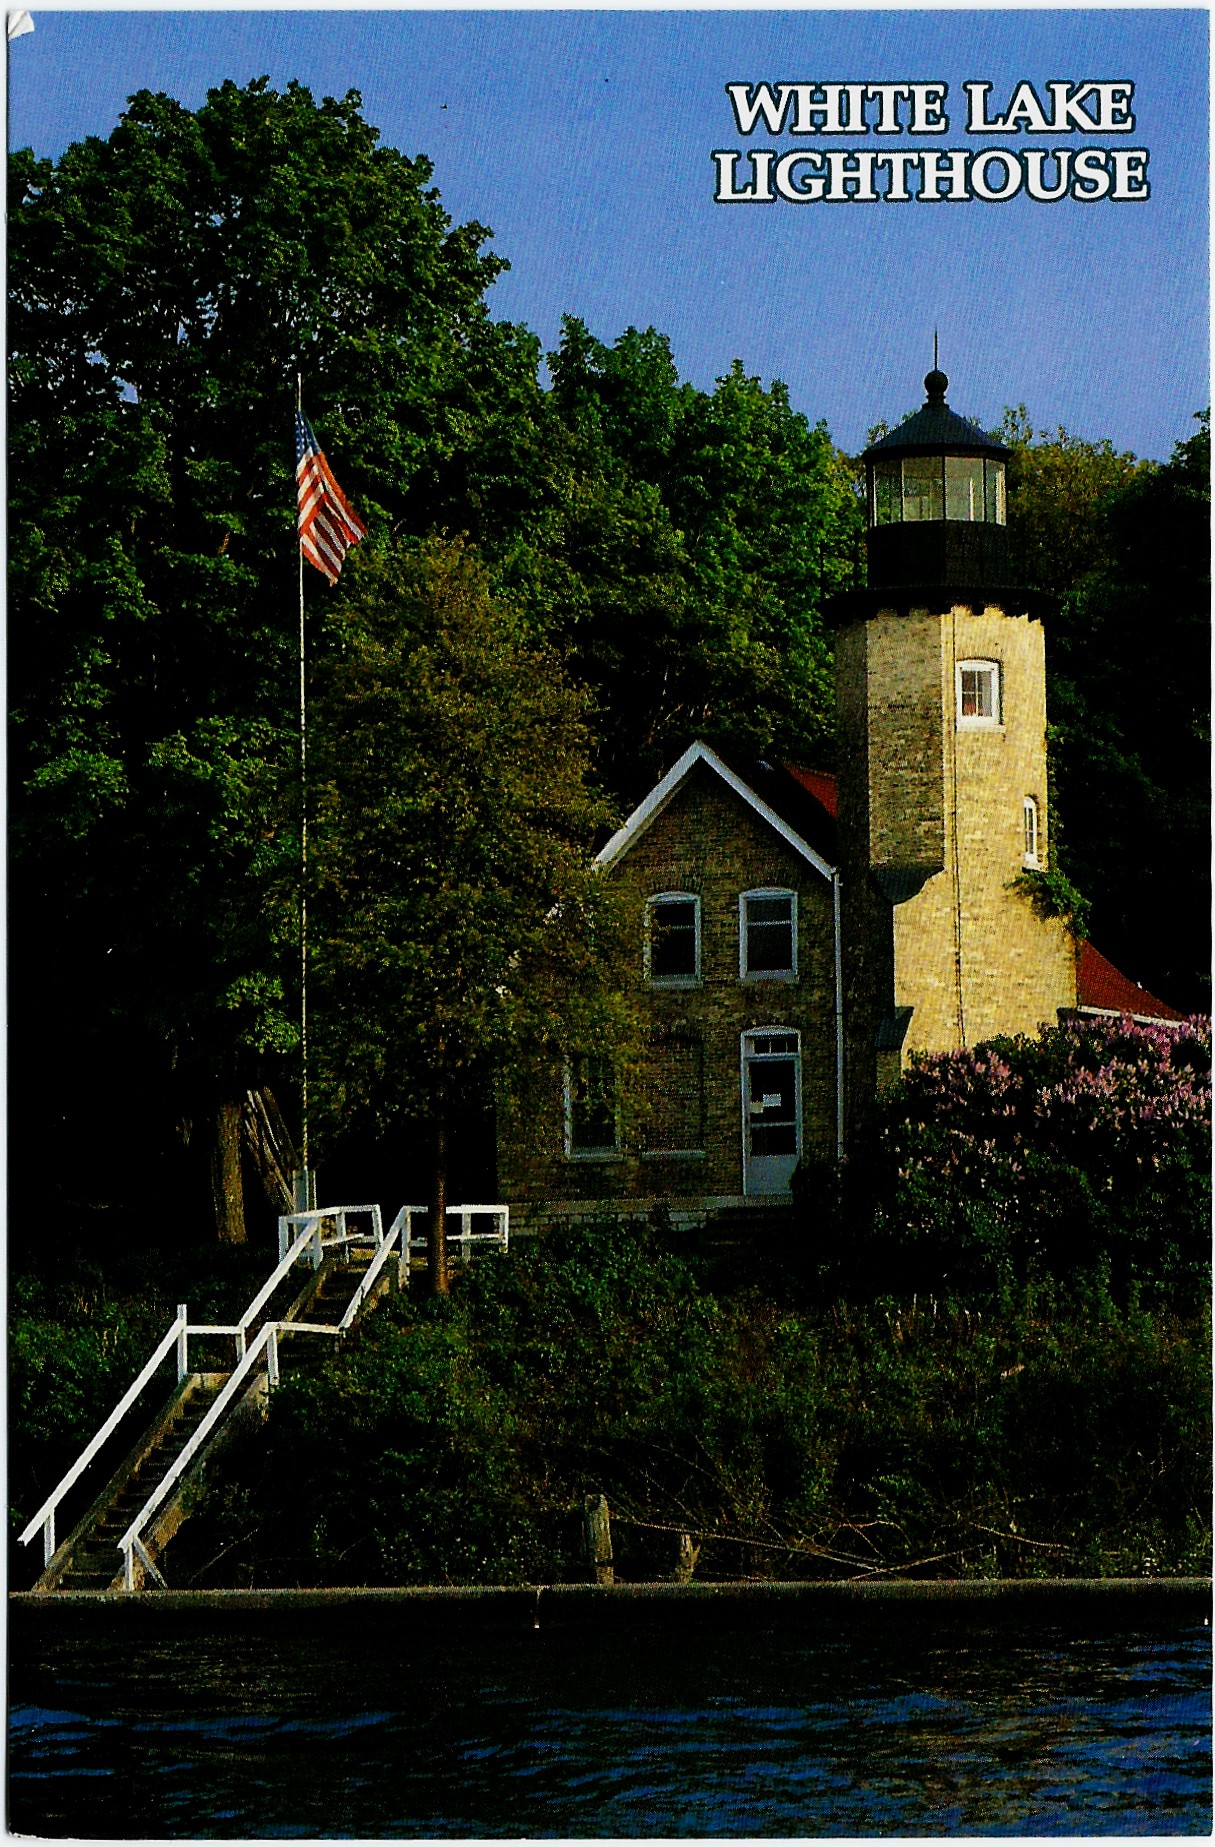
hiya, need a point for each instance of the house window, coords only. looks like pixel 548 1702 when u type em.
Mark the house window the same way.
pixel 978 693
pixel 673 939
pixel 592 1128
pixel 675 1096
pixel 1031 831
pixel 767 935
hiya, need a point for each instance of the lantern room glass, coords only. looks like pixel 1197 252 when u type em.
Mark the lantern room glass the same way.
pixel 965 488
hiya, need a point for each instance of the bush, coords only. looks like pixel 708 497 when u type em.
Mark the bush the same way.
pixel 1054 1431
pixel 1045 1156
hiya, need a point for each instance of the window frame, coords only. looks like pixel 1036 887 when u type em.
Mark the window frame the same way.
pixel 1031 824
pixel 745 972
pixel 980 721
pixel 612 1151
pixel 652 904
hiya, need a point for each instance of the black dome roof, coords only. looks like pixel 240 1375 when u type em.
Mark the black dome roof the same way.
pixel 935 428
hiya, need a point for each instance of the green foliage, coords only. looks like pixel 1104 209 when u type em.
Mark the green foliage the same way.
pixel 1052 894
pixel 461 929
pixel 685 548
pixel 78 1336
pixel 1028 1157
pixel 1125 545
pixel 1050 1432
pixel 167 285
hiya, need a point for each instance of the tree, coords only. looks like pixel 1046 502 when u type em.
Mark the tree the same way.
pixel 681 552
pixel 1125 546
pixel 166 286
pixel 464 938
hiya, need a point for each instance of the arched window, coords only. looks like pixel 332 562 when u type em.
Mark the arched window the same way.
pixel 672 939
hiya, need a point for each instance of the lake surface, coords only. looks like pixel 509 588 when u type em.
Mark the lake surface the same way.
pixel 904 1723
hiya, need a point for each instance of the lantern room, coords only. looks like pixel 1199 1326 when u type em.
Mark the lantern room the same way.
pixel 936 501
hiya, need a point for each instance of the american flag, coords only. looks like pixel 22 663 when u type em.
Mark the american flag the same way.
pixel 328 524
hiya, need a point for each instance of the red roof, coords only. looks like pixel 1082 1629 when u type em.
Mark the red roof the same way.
pixel 1099 984
pixel 820 785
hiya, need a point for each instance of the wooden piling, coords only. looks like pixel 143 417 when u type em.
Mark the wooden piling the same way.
pixel 598 1529
pixel 685 1564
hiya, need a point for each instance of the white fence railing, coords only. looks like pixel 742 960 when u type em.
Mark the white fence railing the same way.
pixel 498 1232
pixel 315 1233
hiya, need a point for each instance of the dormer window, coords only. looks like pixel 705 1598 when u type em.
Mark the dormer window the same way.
pixel 978 686
pixel 672 945
pixel 1030 811
pixel 767 949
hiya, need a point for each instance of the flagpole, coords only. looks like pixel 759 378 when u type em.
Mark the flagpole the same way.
pixel 307 1201
pixel 326 527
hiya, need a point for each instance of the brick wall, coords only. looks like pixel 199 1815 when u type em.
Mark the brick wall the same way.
pixel 708 842
pixel 969 954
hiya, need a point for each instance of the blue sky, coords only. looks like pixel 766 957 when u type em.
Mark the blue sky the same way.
pixel 584 140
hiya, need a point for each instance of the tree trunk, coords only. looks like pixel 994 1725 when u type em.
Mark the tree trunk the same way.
pixel 226 1188
pixel 436 1232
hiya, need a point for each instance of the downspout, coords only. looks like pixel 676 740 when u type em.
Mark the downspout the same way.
pixel 839 1020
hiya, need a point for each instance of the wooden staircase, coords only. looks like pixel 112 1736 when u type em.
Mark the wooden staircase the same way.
pixel 89 1558
pixel 351 1262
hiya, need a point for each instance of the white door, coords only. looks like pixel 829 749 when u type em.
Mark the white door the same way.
pixel 772 1110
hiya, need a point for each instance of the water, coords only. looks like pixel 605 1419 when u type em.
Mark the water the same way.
pixel 932 1724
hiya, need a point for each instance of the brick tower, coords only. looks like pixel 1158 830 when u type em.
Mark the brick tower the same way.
pixel 941 702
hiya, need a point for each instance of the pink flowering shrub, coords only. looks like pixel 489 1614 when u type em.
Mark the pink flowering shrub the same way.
pixel 1090 1144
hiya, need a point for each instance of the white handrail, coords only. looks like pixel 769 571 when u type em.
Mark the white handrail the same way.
pixel 465 1236
pixel 310 1239
pixel 372 1272
pixel 45 1517
pixel 267 1289
pixel 191 1448
pixel 316 1216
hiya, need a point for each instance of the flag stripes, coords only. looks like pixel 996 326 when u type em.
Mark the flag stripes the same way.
pixel 328 524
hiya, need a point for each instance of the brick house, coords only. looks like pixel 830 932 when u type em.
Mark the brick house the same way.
pixel 796 942
pixel 730 885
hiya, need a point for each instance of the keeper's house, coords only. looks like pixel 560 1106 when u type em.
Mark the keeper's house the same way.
pixel 798 938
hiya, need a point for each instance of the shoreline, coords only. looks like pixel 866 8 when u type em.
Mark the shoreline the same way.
pixel 529 1607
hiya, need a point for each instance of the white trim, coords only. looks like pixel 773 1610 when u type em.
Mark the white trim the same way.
pixel 748 1034
pixel 766 974
pixel 654 803
pixel 1030 856
pixel 1120 1013
pixel 980 665
pixel 670 981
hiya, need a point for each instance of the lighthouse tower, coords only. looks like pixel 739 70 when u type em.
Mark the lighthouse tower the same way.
pixel 941 711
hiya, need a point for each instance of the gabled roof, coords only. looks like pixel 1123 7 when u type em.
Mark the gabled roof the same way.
pixel 820 785
pixel 1102 988
pixel 782 800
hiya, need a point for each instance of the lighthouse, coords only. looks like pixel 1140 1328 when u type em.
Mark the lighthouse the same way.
pixel 943 798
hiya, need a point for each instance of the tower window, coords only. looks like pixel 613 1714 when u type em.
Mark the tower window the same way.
pixel 767 935
pixel 673 938
pixel 1030 855
pixel 978 693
